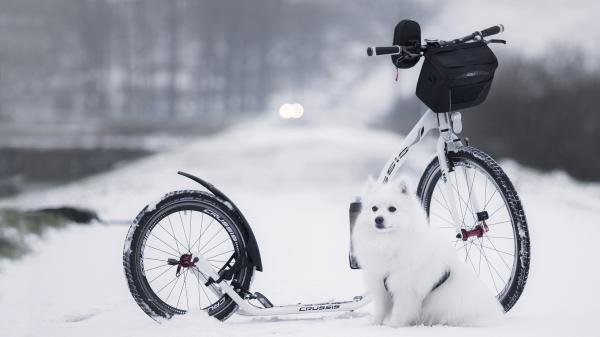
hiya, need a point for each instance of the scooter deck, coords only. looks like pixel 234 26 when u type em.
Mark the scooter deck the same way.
pixel 204 270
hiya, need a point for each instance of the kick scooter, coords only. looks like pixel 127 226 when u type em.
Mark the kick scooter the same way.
pixel 195 249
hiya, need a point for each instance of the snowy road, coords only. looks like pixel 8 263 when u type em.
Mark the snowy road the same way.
pixel 294 185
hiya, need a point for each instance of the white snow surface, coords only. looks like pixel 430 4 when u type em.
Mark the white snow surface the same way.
pixel 293 181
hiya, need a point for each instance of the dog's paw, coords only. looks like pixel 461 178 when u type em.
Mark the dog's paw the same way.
pixel 397 323
pixel 377 319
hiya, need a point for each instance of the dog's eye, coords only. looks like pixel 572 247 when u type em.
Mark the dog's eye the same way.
pixel 392 209
pixel 374 208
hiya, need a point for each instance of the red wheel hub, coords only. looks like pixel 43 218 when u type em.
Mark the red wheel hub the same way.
pixel 185 261
pixel 477 231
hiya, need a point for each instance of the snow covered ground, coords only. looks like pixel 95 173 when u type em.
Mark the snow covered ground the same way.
pixel 293 181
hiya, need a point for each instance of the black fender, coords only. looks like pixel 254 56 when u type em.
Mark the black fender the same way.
pixel 251 244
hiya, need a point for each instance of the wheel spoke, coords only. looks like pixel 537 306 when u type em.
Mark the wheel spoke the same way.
pixel 485 192
pixel 469 197
pixel 161 274
pixel 469 257
pixel 460 199
pixel 184 233
pixel 160 250
pixel 497 250
pixel 182 275
pixel 491 197
pixel 166 244
pixel 445 201
pixel 489 269
pixel 201 234
pixel 500 237
pixel 455 187
pixel 176 242
pixel 468 250
pixel 445 220
pixel 187 298
pixel 194 244
pixel 479 267
pixel 494 268
pixel 463 245
pixel 203 290
pixel 497 209
pixel 173 231
pixel 161 266
pixel 168 283
pixel 217 261
pixel 445 206
pixel 191 230
pixel 211 238
pixel 215 246
pixel 182 287
pixel 229 251
pixel 174 285
pixel 497 223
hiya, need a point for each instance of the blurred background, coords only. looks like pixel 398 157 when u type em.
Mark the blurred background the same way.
pixel 85 84
pixel 101 101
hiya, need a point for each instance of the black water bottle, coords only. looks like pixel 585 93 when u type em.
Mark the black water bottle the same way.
pixel 355 208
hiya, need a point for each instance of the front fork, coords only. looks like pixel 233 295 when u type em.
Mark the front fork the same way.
pixel 448 141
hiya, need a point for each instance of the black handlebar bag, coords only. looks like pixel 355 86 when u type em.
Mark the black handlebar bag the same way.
pixel 457 76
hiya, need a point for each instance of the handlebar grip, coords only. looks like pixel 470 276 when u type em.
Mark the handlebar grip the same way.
pixel 492 30
pixel 383 50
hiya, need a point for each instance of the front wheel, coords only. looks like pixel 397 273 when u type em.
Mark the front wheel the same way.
pixel 499 252
pixel 161 246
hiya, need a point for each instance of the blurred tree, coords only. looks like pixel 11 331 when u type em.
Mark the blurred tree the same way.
pixel 543 115
pixel 154 64
pixel 540 113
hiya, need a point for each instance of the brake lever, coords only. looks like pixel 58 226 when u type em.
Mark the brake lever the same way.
pixel 399 60
pixel 496 41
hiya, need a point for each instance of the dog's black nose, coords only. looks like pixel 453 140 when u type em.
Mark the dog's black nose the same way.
pixel 379 222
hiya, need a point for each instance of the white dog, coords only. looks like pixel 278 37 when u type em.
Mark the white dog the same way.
pixel 413 274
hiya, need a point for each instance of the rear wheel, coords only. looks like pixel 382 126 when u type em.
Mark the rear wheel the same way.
pixel 161 247
pixel 497 248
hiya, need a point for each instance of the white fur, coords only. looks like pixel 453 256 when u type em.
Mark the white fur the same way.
pixel 414 257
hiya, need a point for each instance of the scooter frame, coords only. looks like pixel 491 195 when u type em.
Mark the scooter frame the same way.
pixel 449 125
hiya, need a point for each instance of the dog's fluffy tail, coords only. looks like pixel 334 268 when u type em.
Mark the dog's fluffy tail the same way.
pixel 462 301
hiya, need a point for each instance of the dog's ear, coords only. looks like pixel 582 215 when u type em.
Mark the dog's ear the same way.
pixel 402 186
pixel 369 185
